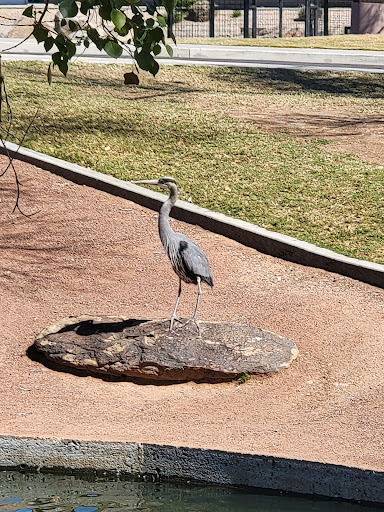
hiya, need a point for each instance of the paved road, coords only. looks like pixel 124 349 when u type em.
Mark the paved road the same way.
pixel 236 56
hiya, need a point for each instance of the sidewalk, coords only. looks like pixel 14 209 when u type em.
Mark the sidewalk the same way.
pixel 241 56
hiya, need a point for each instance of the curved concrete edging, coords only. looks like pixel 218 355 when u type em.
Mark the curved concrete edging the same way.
pixel 269 242
pixel 209 466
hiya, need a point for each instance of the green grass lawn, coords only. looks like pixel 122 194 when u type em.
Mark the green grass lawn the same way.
pixel 180 124
pixel 373 42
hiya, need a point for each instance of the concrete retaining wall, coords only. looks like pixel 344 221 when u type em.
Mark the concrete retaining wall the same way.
pixel 211 466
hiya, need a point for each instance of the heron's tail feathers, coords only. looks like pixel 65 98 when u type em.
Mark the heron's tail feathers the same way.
pixel 208 280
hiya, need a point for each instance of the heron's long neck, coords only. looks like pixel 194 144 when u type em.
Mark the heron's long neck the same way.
pixel 165 229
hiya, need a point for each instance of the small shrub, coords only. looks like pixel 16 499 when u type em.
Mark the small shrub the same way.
pixel 301 13
pixel 236 14
pixel 243 378
pixel 199 11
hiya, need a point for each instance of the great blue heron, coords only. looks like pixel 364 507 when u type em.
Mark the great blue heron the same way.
pixel 187 259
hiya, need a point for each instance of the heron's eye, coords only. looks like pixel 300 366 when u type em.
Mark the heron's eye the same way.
pixel 166 180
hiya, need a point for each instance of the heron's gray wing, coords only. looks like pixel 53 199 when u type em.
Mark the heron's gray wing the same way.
pixel 194 260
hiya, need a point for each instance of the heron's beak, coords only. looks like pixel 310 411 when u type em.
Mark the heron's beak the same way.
pixel 147 182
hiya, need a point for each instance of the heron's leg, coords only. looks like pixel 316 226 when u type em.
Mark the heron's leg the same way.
pixel 174 317
pixel 193 319
pixel 198 298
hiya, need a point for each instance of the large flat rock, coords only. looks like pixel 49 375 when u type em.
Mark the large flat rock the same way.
pixel 145 349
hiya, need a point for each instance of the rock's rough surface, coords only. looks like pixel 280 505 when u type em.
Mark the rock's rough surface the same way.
pixel 145 349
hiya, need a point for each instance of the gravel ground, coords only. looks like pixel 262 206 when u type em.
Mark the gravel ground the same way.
pixel 87 252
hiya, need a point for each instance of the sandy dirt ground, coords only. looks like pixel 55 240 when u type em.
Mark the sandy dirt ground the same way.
pixel 87 252
pixel 358 134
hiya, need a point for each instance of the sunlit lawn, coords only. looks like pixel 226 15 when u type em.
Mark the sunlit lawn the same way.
pixel 372 42
pixel 180 124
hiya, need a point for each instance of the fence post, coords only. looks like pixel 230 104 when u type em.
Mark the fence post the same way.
pixel 281 18
pixel 246 18
pixel 326 7
pixel 170 22
pixel 307 18
pixel 316 18
pixel 254 20
pixel 211 18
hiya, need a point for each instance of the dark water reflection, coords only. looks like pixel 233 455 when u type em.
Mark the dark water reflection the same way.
pixel 32 492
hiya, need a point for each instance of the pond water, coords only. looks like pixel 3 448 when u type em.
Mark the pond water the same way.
pixel 31 492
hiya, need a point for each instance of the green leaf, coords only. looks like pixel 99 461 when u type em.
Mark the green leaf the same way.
pixel 124 31
pixel 85 6
pixel 28 12
pixel 56 58
pixel 49 74
pixel 146 62
pixel 60 43
pixel 48 43
pixel 138 18
pixel 161 20
pixel 101 43
pixel 61 61
pixel 94 36
pixel 86 42
pixel 63 22
pixel 68 8
pixel 150 22
pixel 71 49
pixel 169 50
pixel 156 49
pixel 155 68
pixel 105 12
pixel 118 18
pixel 113 49
pixel 139 36
pixel 157 34
pixel 63 66
pixel 73 26
pixel 40 33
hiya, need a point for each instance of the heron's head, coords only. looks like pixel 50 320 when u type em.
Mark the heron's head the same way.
pixel 165 182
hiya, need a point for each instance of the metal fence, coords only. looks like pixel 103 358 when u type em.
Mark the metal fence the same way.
pixel 261 18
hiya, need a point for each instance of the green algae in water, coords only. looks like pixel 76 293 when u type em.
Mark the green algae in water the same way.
pixel 35 492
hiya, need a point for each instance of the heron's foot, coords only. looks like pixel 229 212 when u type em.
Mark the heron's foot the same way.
pixel 172 320
pixel 193 319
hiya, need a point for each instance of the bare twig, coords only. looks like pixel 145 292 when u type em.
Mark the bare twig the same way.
pixel 18 44
pixel 11 165
pixel 4 97
pixel 10 19
pixel 1 90
pixel 43 13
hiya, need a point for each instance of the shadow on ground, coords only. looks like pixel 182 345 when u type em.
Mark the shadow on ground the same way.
pixel 331 82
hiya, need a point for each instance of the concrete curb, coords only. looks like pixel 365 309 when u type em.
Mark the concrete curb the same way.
pixel 260 54
pixel 268 242
pixel 210 466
